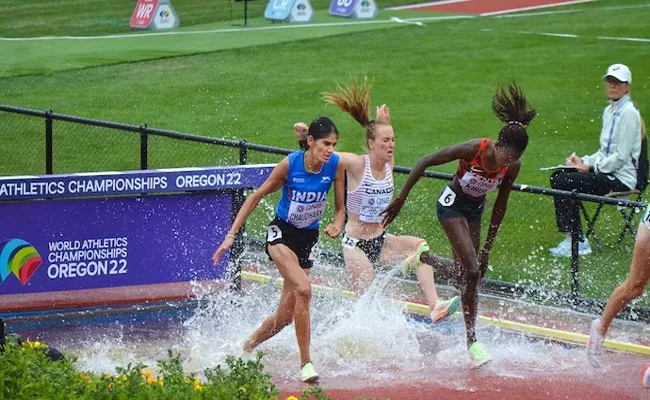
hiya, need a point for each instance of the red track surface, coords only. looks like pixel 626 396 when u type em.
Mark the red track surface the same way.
pixel 488 6
pixel 620 381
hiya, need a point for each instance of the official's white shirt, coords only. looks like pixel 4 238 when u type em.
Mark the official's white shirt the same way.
pixel 620 142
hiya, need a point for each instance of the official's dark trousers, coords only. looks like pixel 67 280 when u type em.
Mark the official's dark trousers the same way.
pixel 567 212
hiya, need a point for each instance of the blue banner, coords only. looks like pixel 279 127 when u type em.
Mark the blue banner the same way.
pixel 133 182
pixel 342 8
pixel 49 246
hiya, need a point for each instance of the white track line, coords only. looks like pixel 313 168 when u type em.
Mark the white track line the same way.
pixel 572 36
pixel 541 13
pixel 565 35
pixel 624 39
pixel 433 3
pixel 513 10
pixel 230 30
pixel 538 14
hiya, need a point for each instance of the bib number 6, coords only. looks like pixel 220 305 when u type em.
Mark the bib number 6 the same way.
pixel 447 197
pixel 273 233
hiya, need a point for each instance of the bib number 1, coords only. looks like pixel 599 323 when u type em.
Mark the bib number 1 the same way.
pixel 349 242
pixel 447 197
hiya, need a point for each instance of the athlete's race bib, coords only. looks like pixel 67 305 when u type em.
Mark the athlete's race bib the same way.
pixel 312 252
pixel 301 215
pixel 273 232
pixel 372 207
pixel 447 197
pixel 475 185
pixel 349 242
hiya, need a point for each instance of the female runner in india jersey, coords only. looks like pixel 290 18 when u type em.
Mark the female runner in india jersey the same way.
pixel 365 243
pixel 483 165
pixel 305 178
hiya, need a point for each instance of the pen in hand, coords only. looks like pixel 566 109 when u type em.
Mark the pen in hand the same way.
pixel 570 161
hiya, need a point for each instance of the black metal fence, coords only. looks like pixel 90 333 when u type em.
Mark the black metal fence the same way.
pixel 129 147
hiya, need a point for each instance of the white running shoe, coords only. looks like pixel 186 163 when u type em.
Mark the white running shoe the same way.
pixel 563 249
pixel 308 373
pixel 583 247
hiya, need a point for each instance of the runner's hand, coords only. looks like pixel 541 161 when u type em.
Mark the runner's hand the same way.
pixel 390 213
pixel 228 241
pixel 332 231
pixel 383 115
pixel 300 129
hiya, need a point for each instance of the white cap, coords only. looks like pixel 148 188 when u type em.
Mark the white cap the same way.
pixel 620 72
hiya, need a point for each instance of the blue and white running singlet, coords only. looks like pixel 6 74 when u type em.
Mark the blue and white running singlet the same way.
pixel 304 194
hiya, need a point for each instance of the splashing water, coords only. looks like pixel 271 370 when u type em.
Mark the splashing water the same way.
pixel 370 338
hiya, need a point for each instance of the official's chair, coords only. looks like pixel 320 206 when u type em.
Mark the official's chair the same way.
pixel 627 213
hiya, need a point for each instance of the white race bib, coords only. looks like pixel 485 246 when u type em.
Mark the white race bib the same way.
pixel 349 242
pixel 476 185
pixel 301 215
pixel 372 207
pixel 312 253
pixel 273 232
pixel 447 197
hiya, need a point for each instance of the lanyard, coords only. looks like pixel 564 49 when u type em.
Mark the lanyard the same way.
pixel 611 131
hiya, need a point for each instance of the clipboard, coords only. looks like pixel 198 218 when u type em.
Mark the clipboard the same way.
pixel 559 167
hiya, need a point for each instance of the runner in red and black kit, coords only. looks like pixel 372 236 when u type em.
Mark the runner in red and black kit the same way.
pixel 483 165
pixel 472 182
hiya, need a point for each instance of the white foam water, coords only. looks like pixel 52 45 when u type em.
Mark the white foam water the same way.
pixel 370 338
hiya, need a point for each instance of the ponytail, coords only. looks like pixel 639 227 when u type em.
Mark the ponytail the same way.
pixel 511 107
pixel 354 99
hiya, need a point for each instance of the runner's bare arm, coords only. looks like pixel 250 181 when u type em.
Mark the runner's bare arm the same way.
pixel 499 211
pixel 274 182
pixel 501 203
pixel 463 151
pixel 334 230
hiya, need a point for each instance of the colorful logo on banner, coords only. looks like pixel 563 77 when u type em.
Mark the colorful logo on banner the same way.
pixel 165 17
pixel 302 11
pixel 20 257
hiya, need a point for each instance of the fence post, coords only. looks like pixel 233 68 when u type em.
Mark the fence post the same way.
pixel 240 239
pixel 575 256
pixel 144 147
pixel 48 142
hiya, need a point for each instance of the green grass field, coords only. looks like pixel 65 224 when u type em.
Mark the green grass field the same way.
pixel 253 83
